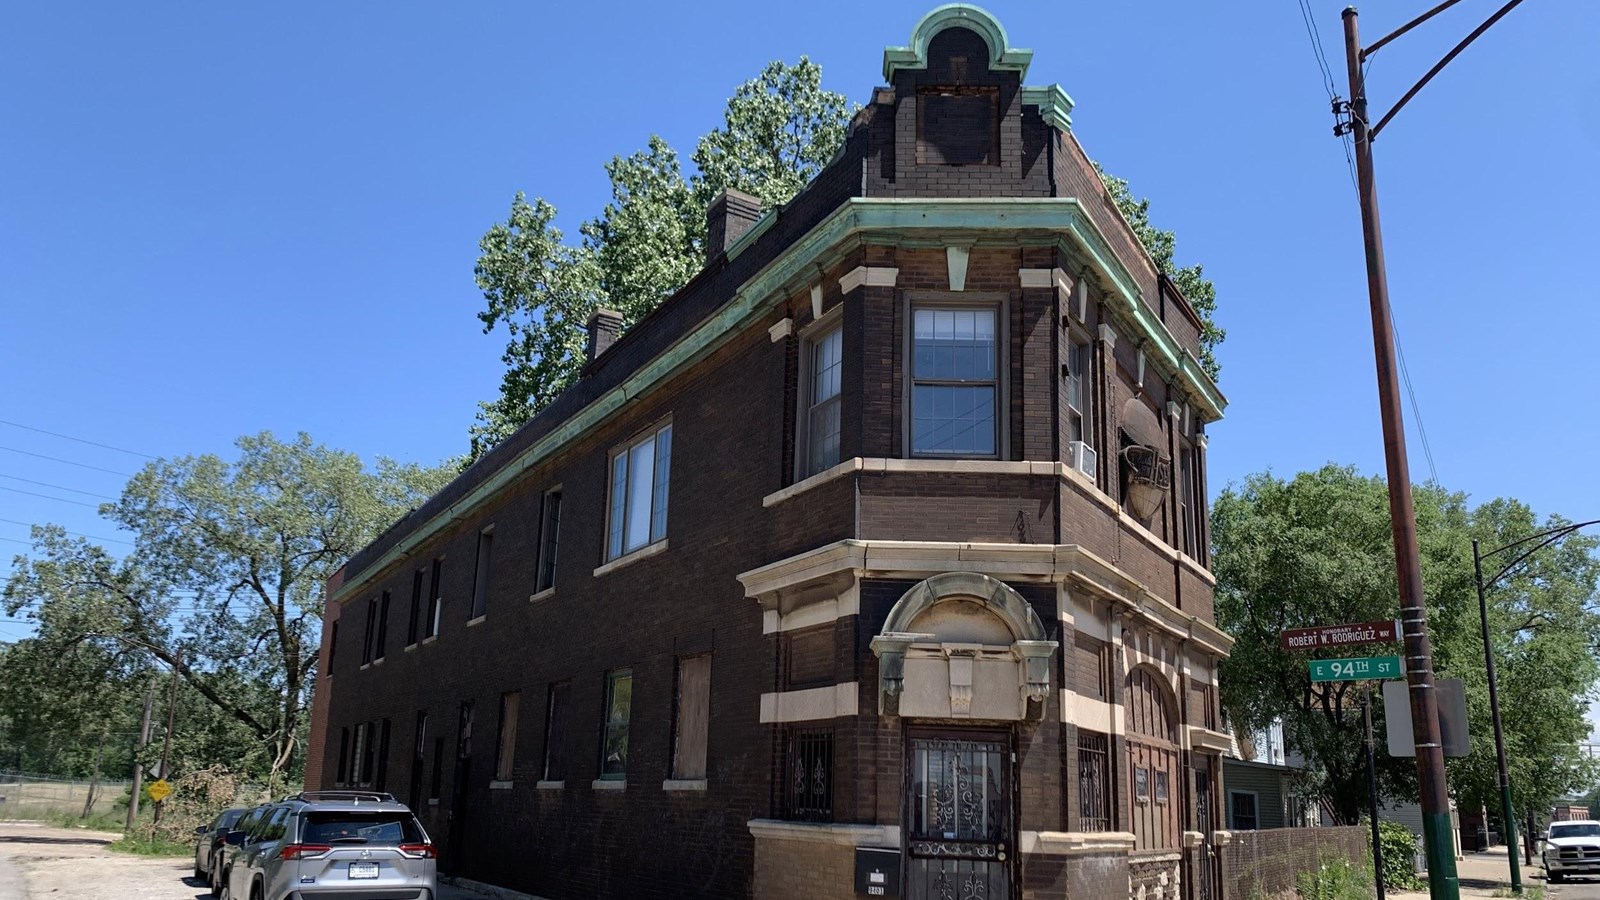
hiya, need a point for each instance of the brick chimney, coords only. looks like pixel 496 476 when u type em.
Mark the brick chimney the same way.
pixel 730 215
pixel 604 327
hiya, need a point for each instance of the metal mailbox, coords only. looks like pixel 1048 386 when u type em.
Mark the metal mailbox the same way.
pixel 877 872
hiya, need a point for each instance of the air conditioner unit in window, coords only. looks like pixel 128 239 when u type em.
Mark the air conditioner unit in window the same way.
pixel 1083 457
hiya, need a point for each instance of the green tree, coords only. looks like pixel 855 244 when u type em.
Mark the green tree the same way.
pixel 1191 280
pixel 779 129
pixel 1317 549
pixel 225 580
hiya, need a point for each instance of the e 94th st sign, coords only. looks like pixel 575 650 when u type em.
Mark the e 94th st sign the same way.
pixel 1350 635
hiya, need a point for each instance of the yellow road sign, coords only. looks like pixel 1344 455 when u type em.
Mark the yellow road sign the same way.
pixel 160 790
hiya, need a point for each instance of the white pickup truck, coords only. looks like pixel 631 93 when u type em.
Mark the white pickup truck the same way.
pixel 1571 848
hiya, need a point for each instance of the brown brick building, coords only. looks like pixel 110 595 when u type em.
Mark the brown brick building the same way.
pixel 886 531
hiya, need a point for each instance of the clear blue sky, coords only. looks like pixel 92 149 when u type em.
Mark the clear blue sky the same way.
pixel 216 220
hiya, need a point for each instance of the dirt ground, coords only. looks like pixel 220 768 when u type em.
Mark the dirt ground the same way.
pixel 63 863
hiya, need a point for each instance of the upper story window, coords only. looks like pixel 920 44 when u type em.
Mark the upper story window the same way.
pixel 955 381
pixel 638 508
pixel 821 427
pixel 480 578
pixel 435 601
pixel 416 606
pixel 1078 383
pixel 549 531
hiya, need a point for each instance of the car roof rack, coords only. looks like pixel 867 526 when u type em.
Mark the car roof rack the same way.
pixel 354 796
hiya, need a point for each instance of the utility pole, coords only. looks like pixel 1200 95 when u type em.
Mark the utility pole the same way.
pixel 166 740
pixel 1437 844
pixel 138 759
pixel 1508 814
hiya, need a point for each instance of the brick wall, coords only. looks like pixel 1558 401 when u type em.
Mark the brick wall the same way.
pixel 1267 863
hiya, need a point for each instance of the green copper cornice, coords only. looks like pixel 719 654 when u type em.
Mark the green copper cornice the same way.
pixel 1044 220
pixel 1054 105
pixel 1002 56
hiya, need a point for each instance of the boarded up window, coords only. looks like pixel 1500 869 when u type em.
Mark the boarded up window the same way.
pixel 1091 665
pixel 808 658
pixel 958 126
pixel 694 717
pixel 505 755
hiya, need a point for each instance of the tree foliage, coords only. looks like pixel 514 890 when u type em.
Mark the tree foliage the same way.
pixel 224 583
pixel 1162 246
pixel 1317 549
pixel 779 129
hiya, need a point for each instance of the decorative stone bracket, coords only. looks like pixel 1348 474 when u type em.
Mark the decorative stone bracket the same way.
pixel 890 648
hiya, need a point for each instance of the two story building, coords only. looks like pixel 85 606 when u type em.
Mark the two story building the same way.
pixel 882 539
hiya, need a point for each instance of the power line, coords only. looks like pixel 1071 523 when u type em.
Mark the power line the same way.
pixel 68 462
pixel 1416 410
pixel 1314 34
pixel 68 437
pixel 57 487
pixel 76 533
pixel 48 497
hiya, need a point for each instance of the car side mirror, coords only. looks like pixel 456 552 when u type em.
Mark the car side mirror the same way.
pixel 199 829
pixel 234 838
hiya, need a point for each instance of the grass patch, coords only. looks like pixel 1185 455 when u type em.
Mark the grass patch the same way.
pixel 143 844
pixel 101 821
pixel 1529 892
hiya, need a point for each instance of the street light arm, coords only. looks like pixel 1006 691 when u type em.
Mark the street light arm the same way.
pixel 1373 132
pixel 1545 539
pixel 1378 44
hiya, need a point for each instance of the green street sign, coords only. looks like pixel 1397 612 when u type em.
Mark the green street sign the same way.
pixel 1359 668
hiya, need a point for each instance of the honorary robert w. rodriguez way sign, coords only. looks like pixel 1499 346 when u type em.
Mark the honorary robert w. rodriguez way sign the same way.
pixel 1350 635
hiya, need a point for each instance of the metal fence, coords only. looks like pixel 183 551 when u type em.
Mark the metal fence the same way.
pixel 27 794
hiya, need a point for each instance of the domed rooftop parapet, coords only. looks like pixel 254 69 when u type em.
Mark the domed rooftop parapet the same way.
pixel 1002 56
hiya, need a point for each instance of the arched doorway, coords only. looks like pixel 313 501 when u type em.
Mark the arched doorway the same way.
pixel 1154 766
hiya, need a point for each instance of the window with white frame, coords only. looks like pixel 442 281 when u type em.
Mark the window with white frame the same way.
pixel 1242 811
pixel 955 383
pixel 638 508
pixel 821 426
pixel 1078 382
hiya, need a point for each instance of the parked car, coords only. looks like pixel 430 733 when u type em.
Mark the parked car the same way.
pixel 208 838
pixel 1571 848
pixel 223 858
pixel 331 844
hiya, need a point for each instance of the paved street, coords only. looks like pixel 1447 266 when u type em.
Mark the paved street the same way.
pixel 1484 874
pixel 39 862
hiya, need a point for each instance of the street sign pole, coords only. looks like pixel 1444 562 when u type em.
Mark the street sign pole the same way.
pixel 1372 786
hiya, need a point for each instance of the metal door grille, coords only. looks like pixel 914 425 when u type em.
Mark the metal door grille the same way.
pixel 960 820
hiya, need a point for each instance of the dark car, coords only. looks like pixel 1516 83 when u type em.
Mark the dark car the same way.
pixel 222 859
pixel 208 838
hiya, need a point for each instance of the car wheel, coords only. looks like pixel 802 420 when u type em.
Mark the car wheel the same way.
pixel 224 893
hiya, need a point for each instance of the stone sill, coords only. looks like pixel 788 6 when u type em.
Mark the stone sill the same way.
pixel 1061 843
pixel 542 596
pixel 846 835
pixel 644 552
pixel 550 785
pixel 684 784
pixel 501 785
pixel 429 639
pixel 478 620
pixel 608 785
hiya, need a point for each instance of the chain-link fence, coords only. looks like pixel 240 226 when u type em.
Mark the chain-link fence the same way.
pixel 23 795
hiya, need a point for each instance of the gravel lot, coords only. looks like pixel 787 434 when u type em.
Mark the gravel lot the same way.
pixel 39 862
pixel 61 863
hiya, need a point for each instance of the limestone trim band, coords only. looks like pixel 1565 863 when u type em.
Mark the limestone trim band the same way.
pixel 812 704
pixel 826 833
pixel 1066 843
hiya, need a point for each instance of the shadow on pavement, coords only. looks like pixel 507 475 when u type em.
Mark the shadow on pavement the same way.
pixel 36 839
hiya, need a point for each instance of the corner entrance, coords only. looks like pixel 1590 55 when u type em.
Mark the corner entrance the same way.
pixel 959 834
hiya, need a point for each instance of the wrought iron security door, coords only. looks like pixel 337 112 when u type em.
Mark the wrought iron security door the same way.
pixel 1203 858
pixel 959 836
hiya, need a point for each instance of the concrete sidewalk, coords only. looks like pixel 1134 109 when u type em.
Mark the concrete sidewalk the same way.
pixel 1482 874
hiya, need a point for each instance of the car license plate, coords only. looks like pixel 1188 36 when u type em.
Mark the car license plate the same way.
pixel 363 870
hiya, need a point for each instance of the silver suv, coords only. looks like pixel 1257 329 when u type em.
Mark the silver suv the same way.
pixel 338 845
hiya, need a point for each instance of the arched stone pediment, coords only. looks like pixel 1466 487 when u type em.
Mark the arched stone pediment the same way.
pixel 996 597
pixel 963 645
